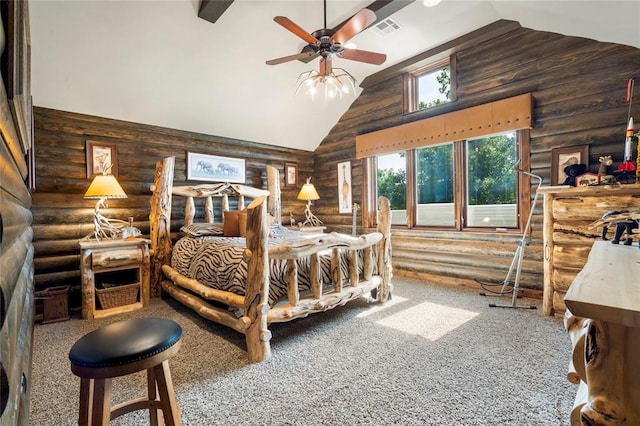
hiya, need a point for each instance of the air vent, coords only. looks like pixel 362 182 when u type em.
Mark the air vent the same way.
pixel 386 27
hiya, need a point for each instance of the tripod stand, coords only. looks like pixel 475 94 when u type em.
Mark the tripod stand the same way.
pixel 516 263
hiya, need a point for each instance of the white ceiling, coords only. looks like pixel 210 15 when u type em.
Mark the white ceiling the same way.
pixel 156 62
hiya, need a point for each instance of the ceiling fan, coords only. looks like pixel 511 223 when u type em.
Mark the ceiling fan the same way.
pixel 326 42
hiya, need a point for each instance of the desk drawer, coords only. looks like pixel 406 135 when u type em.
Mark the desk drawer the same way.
pixel 116 258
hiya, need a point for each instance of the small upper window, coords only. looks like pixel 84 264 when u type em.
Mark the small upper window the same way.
pixel 434 88
pixel 430 86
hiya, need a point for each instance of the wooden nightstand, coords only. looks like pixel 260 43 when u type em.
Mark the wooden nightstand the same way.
pixel 115 276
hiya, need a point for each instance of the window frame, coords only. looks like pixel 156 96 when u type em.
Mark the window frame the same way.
pixel 523 189
pixel 410 86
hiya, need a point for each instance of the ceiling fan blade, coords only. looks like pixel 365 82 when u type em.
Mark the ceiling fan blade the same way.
pixel 284 59
pixel 363 56
pixel 291 26
pixel 353 26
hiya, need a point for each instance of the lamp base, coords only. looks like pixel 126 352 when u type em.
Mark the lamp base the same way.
pixel 311 220
pixel 105 228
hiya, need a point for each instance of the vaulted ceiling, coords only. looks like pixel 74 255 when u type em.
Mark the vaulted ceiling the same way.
pixel 157 62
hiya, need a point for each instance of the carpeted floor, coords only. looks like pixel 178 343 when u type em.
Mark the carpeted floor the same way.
pixel 434 355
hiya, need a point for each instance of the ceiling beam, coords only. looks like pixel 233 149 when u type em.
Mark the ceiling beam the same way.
pixel 211 10
pixel 480 35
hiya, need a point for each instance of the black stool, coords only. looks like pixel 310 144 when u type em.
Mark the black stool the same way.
pixel 122 348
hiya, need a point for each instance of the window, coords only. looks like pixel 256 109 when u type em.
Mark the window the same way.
pixel 430 86
pixel 464 184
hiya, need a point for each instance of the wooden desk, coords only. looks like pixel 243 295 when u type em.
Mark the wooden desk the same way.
pixel 568 212
pixel 604 305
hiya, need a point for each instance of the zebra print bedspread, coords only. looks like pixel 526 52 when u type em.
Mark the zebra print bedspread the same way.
pixel 218 263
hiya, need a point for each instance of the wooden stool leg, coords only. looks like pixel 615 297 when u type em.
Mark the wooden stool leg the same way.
pixel 101 411
pixel 86 401
pixel 170 409
pixel 152 391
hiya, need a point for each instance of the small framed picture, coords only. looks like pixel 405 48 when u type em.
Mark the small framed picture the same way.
pixel 291 174
pixel 344 187
pixel 102 158
pixel 563 157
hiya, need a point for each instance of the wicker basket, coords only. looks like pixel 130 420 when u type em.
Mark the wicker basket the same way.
pixel 118 295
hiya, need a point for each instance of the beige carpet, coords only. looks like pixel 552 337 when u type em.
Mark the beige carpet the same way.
pixel 434 355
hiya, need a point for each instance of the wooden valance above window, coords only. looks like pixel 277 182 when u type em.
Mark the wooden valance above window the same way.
pixel 496 117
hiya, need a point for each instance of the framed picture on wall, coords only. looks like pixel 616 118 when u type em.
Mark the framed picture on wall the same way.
pixel 215 168
pixel 563 157
pixel 344 187
pixel 290 174
pixel 102 158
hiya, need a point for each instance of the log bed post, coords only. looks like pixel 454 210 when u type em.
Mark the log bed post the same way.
pixel 273 184
pixel 384 248
pixel 160 221
pixel 256 305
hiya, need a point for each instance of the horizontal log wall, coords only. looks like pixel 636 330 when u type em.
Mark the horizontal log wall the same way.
pixel 60 214
pixel 579 90
pixel 16 247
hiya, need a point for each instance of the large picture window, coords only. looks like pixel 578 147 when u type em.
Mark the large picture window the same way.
pixel 461 185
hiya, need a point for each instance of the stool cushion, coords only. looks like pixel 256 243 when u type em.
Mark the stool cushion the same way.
pixel 125 342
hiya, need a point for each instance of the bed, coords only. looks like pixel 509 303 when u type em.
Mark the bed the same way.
pixel 268 273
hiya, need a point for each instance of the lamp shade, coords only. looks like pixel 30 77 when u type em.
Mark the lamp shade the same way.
pixel 308 192
pixel 105 186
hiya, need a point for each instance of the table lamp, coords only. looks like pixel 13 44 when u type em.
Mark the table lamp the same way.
pixel 308 192
pixel 105 187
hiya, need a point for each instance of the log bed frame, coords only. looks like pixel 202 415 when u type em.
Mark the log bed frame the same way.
pixel 256 312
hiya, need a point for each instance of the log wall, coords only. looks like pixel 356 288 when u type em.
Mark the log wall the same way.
pixel 579 91
pixel 16 247
pixel 62 216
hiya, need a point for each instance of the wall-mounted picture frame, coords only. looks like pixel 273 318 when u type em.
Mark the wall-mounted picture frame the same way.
pixel 563 157
pixel 214 168
pixel 344 187
pixel 290 174
pixel 101 155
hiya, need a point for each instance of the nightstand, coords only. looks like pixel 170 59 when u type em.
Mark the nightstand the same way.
pixel 115 276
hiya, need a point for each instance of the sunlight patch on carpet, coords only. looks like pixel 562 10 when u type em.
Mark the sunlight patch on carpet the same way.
pixel 428 320
pixel 378 307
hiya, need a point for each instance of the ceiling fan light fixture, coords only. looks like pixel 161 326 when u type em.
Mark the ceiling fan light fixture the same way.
pixel 336 82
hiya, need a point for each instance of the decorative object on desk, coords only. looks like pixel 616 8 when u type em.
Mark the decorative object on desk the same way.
pixel 587 179
pixel 101 155
pixel 290 174
pixel 292 220
pixel 214 168
pixel 627 166
pixel 308 193
pixel 624 221
pixel 344 187
pixel 105 187
pixel 563 157
pixel 572 172
pixel 605 162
